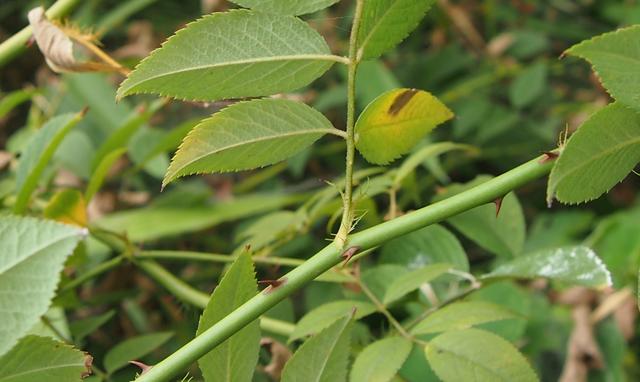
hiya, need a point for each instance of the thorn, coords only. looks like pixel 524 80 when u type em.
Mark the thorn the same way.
pixel 548 156
pixel 30 42
pixel 272 284
pixel 141 365
pixel 84 111
pixel 247 248
pixel 348 254
pixel 498 203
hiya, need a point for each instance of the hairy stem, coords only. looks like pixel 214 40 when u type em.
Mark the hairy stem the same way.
pixel 347 196
pixel 331 255
pixel 17 44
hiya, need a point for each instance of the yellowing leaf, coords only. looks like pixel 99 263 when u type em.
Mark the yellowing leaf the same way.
pixel 67 206
pixel 394 122
pixel 57 44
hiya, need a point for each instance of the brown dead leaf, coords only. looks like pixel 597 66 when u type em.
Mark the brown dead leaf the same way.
pixel 582 351
pixel 5 159
pixel 280 354
pixel 57 43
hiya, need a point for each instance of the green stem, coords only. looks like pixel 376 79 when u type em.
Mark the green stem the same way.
pixel 347 196
pixel 95 272
pixel 331 255
pixel 186 293
pixel 214 258
pixel 17 44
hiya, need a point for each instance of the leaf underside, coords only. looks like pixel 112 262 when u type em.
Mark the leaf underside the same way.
pixel 248 135
pixel 286 7
pixel 597 156
pixel 234 54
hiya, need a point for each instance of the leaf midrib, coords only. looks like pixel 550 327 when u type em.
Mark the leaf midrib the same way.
pixel 252 61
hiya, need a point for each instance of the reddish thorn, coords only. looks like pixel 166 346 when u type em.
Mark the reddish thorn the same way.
pixel 548 156
pixel 348 254
pixel 30 42
pixel 84 111
pixel 142 366
pixel 498 203
pixel 247 247
pixel 272 284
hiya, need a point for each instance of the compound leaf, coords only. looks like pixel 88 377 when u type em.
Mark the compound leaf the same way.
pixel 234 54
pixel 248 135
pixel 597 156
pixel 395 122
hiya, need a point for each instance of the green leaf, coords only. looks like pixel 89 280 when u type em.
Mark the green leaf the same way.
pixel 235 359
pixel 503 235
pixel 82 328
pixel 476 355
pixel 37 359
pixel 37 155
pixel 325 315
pixel 169 142
pixel 286 7
pixel 430 245
pixel 381 360
pixel 615 57
pixel 385 23
pixel 395 122
pixel 322 358
pixel 254 54
pixel 597 156
pixel 248 135
pixel 420 156
pixel 133 349
pixel 15 98
pixel 529 85
pixel 68 207
pixel 100 173
pixel 33 254
pixel 411 281
pixel 571 265
pixel 462 315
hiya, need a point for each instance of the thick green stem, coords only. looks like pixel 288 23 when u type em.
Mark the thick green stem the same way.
pixel 186 293
pixel 331 255
pixel 17 44
pixel 347 196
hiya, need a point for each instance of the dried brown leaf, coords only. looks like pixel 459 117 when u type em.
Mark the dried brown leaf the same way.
pixel 280 354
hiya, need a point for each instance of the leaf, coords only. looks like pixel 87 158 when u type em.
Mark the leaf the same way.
pixel 235 359
pixel 395 122
pixel 430 245
pixel 462 315
pixel 413 280
pixel 322 358
pixel 381 360
pixel 173 220
pixel 37 359
pixel 503 235
pixel 10 101
pixel 33 254
pixel 420 156
pixel 100 173
pixel 254 54
pixel 37 155
pixel 286 7
pixel 325 315
pixel 169 142
pixel 476 355
pixel 528 85
pixel 82 328
pixel 571 265
pixel 68 207
pixel 597 156
pixel 615 57
pixel 385 23
pixel 248 135
pixel 133 349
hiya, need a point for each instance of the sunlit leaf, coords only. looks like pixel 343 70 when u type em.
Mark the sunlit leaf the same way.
pixel 30 271
pixel 615 57
pixel 462 315
pixel 385 23
pixel 395 122
pixel 476 355
pixel 254 54
pixel 380 360
pixel 37 359
pixel 571 265
pixel 286 7
pixel 597 156
pixel 234 359
pixel 67 206
pixel 248 135
pixel 325 315
pixel 323 357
